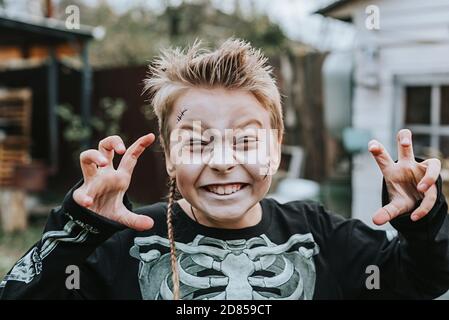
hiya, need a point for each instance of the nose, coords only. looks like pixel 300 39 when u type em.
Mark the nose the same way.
pixel 222 158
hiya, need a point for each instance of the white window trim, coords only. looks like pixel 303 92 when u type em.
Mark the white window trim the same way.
pixel 435 81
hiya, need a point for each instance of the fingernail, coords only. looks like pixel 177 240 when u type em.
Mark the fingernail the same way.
pixel 121 147
pixel 405 141
pixel 87 200
pixel 423 186
pixel 414 217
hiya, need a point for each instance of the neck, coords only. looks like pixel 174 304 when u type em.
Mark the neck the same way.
pixel 248 219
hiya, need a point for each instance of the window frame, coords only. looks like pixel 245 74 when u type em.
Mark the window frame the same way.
pixel 435 129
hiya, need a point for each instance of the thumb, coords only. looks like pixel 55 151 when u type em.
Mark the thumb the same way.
pixel 82 198
pixel 386 214
pixel 136 221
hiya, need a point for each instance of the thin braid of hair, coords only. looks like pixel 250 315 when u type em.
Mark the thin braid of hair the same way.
pixel 171 238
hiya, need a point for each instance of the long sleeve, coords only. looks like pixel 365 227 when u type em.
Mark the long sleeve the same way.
pixel 413 260
pixel 71 235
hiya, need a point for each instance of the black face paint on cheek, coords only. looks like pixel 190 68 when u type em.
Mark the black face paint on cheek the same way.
pixel 268 169
pixel 180 115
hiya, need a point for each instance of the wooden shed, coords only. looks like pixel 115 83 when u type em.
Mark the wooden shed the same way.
pixel 25 43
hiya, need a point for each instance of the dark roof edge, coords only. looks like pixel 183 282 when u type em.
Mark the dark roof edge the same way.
pixel 41 25
pixel 332 6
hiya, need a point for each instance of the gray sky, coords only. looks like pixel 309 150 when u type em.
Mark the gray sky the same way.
pixel 297 21
pixel 294 16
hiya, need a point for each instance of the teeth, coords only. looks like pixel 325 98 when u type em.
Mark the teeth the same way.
pixel 224 189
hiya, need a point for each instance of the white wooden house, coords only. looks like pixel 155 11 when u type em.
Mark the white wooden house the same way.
pixel 399 79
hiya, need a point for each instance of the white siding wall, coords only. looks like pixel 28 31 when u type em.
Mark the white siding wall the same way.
pixel 413 39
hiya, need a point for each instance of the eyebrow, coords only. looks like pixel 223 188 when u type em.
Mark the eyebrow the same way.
pixel 248 122
pixel 189 125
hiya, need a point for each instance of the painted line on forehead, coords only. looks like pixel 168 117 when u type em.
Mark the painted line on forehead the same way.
pixel 181 114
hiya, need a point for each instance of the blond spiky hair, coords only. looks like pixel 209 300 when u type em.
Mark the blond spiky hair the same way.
pixel 234 65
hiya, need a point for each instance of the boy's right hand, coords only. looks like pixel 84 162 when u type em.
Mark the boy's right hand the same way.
pixel 104 186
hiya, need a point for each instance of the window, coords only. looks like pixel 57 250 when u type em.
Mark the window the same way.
pixel 426 114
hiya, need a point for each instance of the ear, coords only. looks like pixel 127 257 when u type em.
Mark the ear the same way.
pixel 275 162
pixel 170 167
pixel 275 158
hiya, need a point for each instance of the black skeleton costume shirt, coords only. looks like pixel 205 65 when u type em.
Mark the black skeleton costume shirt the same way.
pixel 297 251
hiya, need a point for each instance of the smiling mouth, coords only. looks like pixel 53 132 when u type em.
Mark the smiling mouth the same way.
pixel 225 189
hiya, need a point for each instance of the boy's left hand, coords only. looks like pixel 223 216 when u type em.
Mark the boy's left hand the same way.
pixel 408 181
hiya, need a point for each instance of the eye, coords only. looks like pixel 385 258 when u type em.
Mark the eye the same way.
pixel 244 143
pixel 196 142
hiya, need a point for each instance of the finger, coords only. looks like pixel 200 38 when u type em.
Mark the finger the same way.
pixel 405 146
pixel 133 153
pixel 136 221
pixel 426 205
pixel 386 214
pixel 89 161
pixel 430 177
pixel 381 155
pixel 108 145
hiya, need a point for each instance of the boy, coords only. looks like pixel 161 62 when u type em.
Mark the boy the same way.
pixel 223 239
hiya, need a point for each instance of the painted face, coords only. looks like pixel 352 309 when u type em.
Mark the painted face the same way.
pixel 222 154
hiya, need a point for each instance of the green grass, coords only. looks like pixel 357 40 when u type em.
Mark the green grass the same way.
pixel 14 245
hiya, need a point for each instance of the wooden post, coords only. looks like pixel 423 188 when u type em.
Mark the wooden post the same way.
pixel 12 210
pixel 86 91
pixel 52 87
